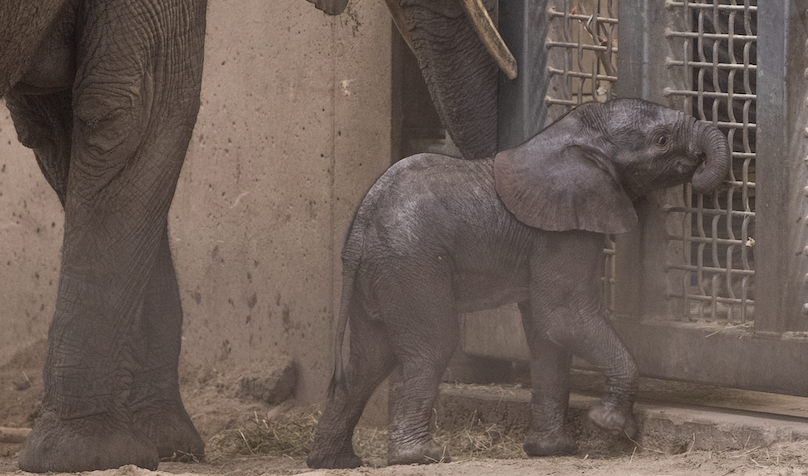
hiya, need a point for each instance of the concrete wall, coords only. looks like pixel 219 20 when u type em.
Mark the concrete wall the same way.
pixel 31 228
pixel 294 128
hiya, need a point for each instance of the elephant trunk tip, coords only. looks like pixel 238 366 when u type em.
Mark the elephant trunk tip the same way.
pixel 717 161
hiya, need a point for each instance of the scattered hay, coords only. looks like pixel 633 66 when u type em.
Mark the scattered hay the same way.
pixel 290 434
pixel 370 444
pixel 475 441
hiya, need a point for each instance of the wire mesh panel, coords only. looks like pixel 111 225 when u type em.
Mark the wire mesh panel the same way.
pixel 582 50
pixel 582 67
pixel 717 56
pixel 703 252
pixel 699 252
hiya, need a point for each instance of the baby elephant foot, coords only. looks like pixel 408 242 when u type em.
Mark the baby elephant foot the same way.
pixel 424 453
pixel 613 419
pixel 319 459
pixel 84 444
pixel 173 433
pixel 330 451
pixel 332 447
pixel 549 444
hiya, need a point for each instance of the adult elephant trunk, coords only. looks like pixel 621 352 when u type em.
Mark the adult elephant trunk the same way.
pixel 717 158
pixel 459 51
pixel 460 72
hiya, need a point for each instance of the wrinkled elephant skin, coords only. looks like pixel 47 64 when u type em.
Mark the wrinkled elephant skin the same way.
pixel 106 94
pixel 459 72
pixel 456 64
pixel 436 236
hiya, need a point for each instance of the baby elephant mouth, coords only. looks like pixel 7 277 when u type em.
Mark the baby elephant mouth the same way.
pixel 685 165
pixel 679 170
pixel 680 167
pixel 701 164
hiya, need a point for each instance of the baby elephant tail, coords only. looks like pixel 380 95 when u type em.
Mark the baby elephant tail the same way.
pixel 350 265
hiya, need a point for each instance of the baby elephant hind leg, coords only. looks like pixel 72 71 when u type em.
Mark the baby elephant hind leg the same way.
pixel 371 361
pixel 425 335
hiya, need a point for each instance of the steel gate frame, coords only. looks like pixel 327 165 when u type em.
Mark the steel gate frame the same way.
pixel 772 353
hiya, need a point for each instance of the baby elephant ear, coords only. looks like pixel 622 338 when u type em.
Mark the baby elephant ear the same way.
pixel 573 188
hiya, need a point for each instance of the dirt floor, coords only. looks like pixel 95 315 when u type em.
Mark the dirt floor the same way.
pixel 789 459
pixel 212 401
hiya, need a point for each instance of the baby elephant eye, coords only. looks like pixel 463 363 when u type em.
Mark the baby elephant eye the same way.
pixel 662 140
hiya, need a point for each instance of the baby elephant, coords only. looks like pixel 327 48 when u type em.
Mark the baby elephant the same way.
pixel 437 236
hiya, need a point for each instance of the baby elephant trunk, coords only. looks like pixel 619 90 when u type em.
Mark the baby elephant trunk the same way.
pixel 717 158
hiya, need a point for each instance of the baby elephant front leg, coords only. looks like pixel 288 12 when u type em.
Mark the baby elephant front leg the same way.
pixel 614 413
pixel 568 312
pixel 550 367
pixel 549 374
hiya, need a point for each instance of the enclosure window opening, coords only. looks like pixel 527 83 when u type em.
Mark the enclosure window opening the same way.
pixel 582 48
pixel 582 67
pixel 718 56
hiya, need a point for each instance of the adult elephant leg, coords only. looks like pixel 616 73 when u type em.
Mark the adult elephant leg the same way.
pixel 567 302
pixel 460 74
pixel 549 375
pixel 155 398
pixel 132 122
pixel 371 361
pixel 44 123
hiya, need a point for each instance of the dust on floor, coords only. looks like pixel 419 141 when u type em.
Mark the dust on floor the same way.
pixel 212 401
pixel 781 459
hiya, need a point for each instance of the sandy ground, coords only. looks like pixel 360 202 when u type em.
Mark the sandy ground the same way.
pixel 788 459
pixel 211 399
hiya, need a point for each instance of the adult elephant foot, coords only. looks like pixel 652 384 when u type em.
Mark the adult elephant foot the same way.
pixel 424 453
pixel 173 433
pixel 616 419
pixel 549 444
pixel 84 444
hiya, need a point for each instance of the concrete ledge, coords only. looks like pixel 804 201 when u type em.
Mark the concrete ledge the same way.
pixel 666 428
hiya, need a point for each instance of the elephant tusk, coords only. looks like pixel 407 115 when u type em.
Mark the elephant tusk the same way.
pixel 400 22
pixel 490 37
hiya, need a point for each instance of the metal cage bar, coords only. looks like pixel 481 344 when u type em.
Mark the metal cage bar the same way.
pixel 582 50
pixel 718 66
